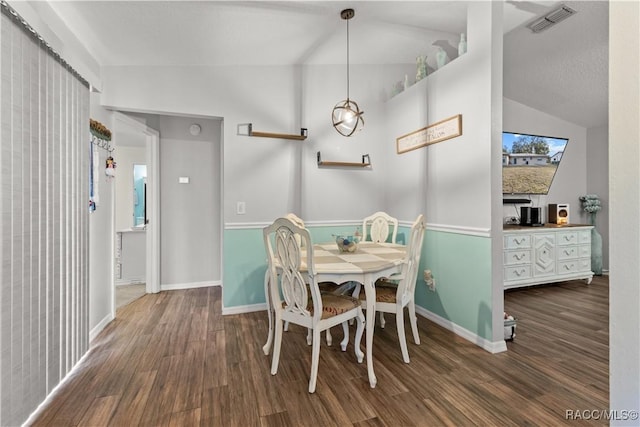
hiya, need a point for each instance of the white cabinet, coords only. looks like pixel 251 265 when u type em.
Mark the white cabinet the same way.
pixel 131 260
pixel 548 254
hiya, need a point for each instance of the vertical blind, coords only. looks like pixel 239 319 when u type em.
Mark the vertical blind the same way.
pixel 44 263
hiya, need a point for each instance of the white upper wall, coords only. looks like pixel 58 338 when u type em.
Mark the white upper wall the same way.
pixel 101 238
pixel 267 173
pixel 347 193
pixel 190 220
pixel 442 180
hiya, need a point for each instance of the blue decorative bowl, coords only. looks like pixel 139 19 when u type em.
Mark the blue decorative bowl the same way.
pixel 347 243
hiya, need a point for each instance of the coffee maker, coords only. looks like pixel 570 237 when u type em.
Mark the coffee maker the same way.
pixel 531 217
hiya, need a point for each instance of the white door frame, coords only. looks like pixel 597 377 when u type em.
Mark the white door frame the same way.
pixel 152 137
pixel 153 200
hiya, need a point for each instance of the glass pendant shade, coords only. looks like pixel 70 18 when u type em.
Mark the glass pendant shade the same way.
pixel 347 117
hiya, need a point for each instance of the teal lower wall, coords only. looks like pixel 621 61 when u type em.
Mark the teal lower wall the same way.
pixel 460 264
pixel 245 262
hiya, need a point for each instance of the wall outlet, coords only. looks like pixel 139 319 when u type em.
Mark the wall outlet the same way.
pixel 429 280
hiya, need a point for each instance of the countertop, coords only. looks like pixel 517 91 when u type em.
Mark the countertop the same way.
pixel 507 227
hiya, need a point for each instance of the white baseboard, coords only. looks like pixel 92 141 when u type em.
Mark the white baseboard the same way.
pixel 129 282
pixel 241 309
pixel 133 281
pixel 100 326
pixel 192 285
pixel 491 347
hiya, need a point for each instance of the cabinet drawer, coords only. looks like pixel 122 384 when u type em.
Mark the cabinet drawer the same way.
pixel 517 257
pixel 568 238
pixel 568 252
pixel 517 272
pixel 570 266
pixel 517 241
pixel 584 236
pixel 584 251
pixel 584 264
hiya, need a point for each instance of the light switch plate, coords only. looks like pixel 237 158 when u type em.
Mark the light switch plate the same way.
pixel 183 180
pixel 241 208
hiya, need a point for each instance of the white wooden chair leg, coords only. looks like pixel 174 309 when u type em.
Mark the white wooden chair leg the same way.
pixel 401 336
pixel 266 349
pixel 414 322
pixel 382 322
pixel 267 294
pixel 315 360
pixel 276 346
pixel 359 331
pixel 345 339
pixel 356 293
pixel 310 337
pixel 286 326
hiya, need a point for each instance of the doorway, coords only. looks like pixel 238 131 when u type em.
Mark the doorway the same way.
pixel 136 209
pixel 190 250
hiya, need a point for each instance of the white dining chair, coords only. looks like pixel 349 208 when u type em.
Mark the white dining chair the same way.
pixel 379 227
pixel 324 287
pixel 296 296
pixel 398 291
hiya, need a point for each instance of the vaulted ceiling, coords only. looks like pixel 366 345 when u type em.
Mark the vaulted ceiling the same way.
pixel 561 71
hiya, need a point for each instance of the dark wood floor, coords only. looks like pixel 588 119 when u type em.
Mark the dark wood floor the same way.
pixel 173 359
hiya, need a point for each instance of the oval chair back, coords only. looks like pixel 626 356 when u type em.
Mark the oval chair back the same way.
pixel 379 227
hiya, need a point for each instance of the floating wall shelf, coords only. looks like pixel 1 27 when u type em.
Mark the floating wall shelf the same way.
pixel 365 162
pixel 515 201
pixel 246 129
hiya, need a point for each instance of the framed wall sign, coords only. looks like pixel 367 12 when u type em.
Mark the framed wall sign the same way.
pixel 440 131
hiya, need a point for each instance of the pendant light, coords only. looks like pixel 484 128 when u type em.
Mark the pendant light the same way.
pixel 346 115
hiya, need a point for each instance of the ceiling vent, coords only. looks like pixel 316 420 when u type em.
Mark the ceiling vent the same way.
pixel 551 18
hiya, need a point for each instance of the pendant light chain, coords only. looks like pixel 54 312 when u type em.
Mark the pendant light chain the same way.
pixel 347 59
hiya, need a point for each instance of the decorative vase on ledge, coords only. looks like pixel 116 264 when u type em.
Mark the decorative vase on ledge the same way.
pixel 462 46
pixel 441 57
pixel 596 247
pixel 421 67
